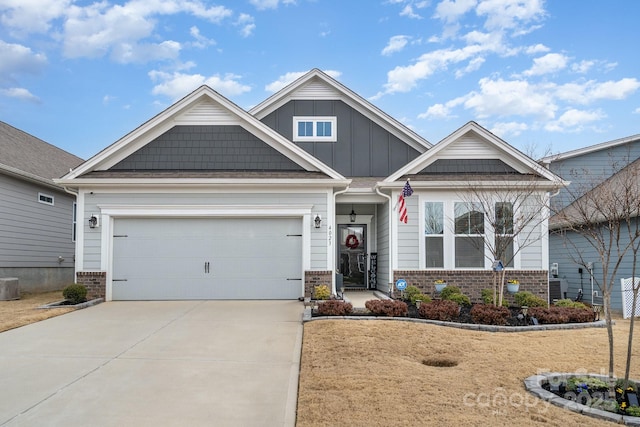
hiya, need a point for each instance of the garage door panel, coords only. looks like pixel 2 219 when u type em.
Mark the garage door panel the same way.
pixel 165 258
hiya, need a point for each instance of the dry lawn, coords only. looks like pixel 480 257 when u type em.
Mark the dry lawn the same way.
pixel 371 373
pixel 14 314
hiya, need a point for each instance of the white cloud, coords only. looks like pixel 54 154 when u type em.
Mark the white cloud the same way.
pixel 101 28
pixel 510 14
pixel 574 120
pixel 269 4
pixel 451 10
pixel 246 24
pixel 442 111
pixel 409 13
pixel 586 92
pixel 473 65
pixel 582 67
pixel 636 111
pixel 535 49
pixel 176 85
pixel 19 93
pixel 290 77
pixel 505 129
pixel 31 16
pixel 201 41
pixel 18 60
pixel 546 64
pixel 396 44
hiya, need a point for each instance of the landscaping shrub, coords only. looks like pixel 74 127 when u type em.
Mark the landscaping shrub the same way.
pixel 449 290
pixel 412 293
pixel 488 314
pixel 529 299
pixel 75 293
pixel 561 315
pixel 487 297
pixel 334 308
pixel 569 303
pixel 390 308
pixel 460 299
pixel 321 292
pixel 444 310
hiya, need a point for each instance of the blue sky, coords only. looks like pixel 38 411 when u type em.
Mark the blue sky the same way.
pixel 546 76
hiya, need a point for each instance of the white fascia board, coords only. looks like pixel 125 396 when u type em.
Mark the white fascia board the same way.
pixel 464 185
pixel 590 149
pixel 165 121
pixel 204 210
pixel 121 183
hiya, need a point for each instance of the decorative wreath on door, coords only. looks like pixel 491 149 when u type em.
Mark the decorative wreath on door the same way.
pixel 352 241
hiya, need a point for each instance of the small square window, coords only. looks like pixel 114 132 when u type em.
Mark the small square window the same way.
pixel 45 198
pixel 315 129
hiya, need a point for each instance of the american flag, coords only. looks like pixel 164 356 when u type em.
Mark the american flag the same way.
pixel 402 207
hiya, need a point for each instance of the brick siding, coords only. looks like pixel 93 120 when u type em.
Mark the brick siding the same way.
pixel 471 283
pixel 316 278
pixel 95 282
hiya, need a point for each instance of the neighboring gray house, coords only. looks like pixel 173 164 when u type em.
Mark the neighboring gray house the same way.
pixel 37 223
pixel 587 168
pixel 209 201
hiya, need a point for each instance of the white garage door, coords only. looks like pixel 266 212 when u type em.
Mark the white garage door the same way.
pixel 222 258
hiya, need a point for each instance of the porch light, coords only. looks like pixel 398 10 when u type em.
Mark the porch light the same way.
pixel 93 221
pixel 597 308
pixel 352 215
pixel 317 221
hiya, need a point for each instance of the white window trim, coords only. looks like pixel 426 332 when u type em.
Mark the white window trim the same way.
pixel 41 195
pixel 74 222
pixel 449 236
pixel 315 119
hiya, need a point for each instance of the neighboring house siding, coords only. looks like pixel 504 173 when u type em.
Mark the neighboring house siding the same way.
pixel 409 235
pixel 92 237
pixel 383 243
pixel 565 253
pixel 586 170
pixel 207 148
pixel 363 147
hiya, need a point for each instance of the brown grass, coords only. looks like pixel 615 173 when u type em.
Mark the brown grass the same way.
pixel 14 314
pixel 373 373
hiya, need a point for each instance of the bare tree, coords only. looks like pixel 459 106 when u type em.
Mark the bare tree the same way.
pixel 509 216
pixel 605 216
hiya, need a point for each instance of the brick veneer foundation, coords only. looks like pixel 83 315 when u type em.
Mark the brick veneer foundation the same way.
pixel 471 283
pixel 95 282
pixel 316 278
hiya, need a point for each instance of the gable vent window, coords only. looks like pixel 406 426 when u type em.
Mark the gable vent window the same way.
pixel 315 129
pixel 45 198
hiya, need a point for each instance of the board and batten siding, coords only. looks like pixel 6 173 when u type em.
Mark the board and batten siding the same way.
pixel 34 234
pixel 92 237
pixel 382 233
pixel 409 235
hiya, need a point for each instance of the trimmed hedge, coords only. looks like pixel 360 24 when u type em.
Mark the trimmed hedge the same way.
pixel 75 293
pixel 443 310
pixel 529 299
pixel 561 315
pixel 335 308
pixel 486 314
pixel 390 308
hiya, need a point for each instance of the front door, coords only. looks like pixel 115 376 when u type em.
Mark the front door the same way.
pixel 352 255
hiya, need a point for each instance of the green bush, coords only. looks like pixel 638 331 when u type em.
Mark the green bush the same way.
pixel 487 297
pixel 75 293
pixel 444 310
pixel 569 303
pixel 449 290
pixel 321 292
pixel 334 308
pixel 529 299
pixel 412 293
pixel 388 307
pixel 633 411
pixel 459 299
pixel 592 383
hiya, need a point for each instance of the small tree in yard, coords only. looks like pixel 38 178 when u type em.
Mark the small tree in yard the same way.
pixel 607 217
pixel 507 217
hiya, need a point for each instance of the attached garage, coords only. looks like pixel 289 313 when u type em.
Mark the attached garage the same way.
pixel 207 258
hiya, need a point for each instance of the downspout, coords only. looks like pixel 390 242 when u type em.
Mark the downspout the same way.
pixel 377 188
pixel 333 239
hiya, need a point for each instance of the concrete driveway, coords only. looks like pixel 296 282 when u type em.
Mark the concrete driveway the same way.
pixel 176 363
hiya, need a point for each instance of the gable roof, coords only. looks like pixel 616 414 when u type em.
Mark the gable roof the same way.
pixel 204 106
pixel 28 157
pixel 318 85
pixel 473 142
pixel 590 149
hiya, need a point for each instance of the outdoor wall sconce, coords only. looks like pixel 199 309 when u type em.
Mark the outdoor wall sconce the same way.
pixel 352 215
pixel 93 221
pixel 317 221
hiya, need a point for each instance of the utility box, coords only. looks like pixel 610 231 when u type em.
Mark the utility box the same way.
pixel 9 289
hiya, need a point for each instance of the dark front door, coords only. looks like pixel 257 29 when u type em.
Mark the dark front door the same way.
pixel 352 255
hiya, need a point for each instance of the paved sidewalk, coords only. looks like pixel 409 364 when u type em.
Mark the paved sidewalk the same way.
pixel 174 363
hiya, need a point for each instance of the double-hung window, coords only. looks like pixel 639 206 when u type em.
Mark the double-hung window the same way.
pixel 434 234
pixel 504 232
pixel 469 235
pixel 314 128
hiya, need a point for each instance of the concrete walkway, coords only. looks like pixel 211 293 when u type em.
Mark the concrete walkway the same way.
pixel 358 298
pixel 178 363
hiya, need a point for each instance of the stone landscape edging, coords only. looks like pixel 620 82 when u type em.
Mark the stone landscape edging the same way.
pixel 60 304
pixel 306 317
pixel 533 385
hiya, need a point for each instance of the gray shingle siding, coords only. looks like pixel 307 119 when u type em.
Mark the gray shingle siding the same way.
pixel 363 147
pixel 207 147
